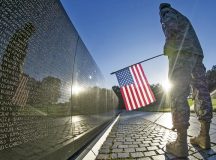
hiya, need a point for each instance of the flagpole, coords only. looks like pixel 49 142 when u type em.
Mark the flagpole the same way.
pixel 138 63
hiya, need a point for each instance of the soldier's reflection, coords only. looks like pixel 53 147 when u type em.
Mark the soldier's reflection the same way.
pixel 117 91
pixel 13 84
pixel 13 81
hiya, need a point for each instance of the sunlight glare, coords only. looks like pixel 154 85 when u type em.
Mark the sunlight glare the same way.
pixel 76 89
pixel 167 86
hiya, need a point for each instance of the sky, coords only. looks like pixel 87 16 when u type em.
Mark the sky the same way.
pixel 119 33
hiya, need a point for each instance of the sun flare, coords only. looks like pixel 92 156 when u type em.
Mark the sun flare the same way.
pixel 76 89
pixel 167 85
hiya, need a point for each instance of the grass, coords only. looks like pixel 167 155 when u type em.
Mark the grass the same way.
pixel 191 102
pixel 214 103
pixel 166 108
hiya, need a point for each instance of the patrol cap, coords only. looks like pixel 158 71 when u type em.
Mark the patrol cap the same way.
pixel 164 5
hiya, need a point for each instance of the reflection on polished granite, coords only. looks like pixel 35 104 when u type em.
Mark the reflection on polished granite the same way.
pixel 53 98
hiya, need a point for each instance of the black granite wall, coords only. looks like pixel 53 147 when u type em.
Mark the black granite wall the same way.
pixel 52 95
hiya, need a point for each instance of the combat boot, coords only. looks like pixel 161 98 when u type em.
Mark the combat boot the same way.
pixel 179 148
pixel 203 139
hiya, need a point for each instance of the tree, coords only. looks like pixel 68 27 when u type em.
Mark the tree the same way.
pixel 211 78
pixel 50 90
pixel 93 100
pixel 34 91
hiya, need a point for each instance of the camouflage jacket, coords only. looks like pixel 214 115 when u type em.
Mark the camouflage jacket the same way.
pixel 179 33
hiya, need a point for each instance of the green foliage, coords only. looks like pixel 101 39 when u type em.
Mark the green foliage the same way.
pixel 161 103
pixel 214 104
pixel 50 90
pixel 211 78
pixel 190 102
pixel 46 91
pixel 94 100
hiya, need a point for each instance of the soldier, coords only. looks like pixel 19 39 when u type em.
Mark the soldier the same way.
pixel 117 91
pixel 185 69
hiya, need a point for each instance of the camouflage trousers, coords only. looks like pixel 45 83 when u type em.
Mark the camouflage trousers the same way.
pixel 186 71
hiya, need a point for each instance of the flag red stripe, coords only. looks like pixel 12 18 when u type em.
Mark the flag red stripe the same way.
pixel 129 98
pixel 22 90
pixel 149 88
pixel 142 91
pixel 26 97
pixel 143 84
pixel 124 98
pixel 138 97
pixel 137 88
pixel 21 87
pixel 133 96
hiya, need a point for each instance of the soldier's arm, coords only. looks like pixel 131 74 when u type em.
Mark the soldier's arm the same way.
pixel 170 24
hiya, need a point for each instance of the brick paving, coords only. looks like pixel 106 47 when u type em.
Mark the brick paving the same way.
pixel 135 137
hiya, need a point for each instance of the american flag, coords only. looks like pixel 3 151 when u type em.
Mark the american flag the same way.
pixel 134 87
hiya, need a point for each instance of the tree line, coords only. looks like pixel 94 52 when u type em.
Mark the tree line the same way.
pixel 211 78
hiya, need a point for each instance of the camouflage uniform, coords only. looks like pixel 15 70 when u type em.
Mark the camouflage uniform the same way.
pixel 117 91
pixel 185 68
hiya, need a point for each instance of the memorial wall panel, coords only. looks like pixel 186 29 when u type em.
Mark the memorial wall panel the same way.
pixel 53 98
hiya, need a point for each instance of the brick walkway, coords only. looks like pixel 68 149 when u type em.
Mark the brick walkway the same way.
pixel 135 137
